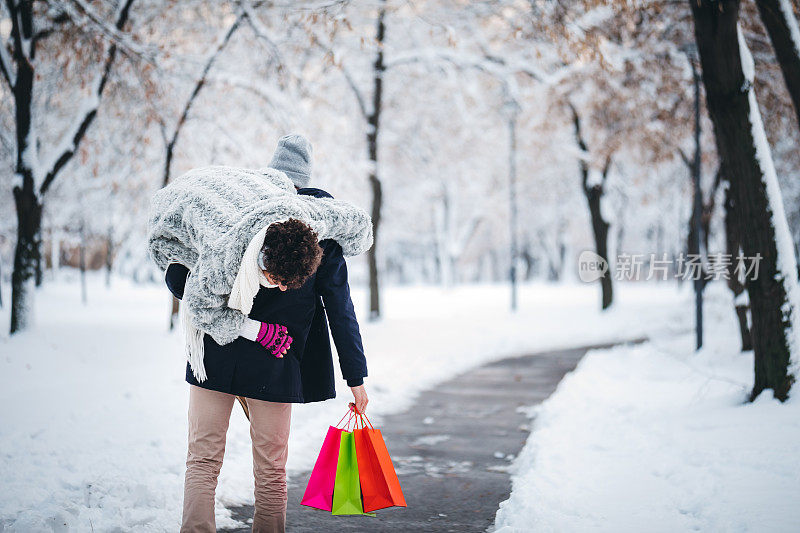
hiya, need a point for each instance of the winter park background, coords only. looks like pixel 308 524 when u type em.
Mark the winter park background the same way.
pixel 493 142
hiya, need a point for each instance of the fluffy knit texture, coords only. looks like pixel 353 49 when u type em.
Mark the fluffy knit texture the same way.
pixel 206 219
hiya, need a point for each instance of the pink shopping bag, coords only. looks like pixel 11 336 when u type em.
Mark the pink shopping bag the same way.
pixel 319 492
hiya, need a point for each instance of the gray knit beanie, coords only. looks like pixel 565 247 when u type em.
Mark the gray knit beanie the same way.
pixel 293 157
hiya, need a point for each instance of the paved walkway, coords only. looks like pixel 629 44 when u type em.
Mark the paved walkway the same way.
pixel 451 450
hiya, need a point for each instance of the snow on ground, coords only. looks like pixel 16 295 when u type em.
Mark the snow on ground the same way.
pixel 656 437
pixel 93 426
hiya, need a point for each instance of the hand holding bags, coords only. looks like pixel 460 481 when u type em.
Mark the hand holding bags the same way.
pixel 353 473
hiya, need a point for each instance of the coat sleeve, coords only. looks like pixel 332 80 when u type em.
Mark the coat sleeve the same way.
pixel 175 278
pixel 331 284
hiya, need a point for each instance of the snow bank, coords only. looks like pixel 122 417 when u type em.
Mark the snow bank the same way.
pixel 656 437
pixel 93 428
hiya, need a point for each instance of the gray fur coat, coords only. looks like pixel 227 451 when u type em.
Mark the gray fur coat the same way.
pixel 206 218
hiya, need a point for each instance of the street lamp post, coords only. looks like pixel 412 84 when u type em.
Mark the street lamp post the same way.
pixel 512 110
pixel 696 233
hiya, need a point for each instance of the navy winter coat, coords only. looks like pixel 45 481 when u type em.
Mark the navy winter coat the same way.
pixel 305 374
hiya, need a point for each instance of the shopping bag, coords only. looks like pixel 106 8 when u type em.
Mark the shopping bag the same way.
pixel 380 487
pixel 347 490
pixel 319 492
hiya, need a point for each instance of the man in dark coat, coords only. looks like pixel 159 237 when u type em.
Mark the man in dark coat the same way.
pixel 267 384
pixel 306 373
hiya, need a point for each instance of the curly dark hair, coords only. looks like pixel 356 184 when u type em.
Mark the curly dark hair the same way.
pixel 291 252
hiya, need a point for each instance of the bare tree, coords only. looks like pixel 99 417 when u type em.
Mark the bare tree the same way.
pixel 373 122
pixel 34 176
pixel 728 72
pixel 593 189
pixel 372 117
pixel 171 136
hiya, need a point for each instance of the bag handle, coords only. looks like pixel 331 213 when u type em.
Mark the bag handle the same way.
pixel 349 412
pixel 363 418
pixel 358 419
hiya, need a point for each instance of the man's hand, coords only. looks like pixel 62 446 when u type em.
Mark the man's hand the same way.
pixel 361 400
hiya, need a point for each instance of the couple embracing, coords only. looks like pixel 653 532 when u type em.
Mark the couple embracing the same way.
pixel 257 258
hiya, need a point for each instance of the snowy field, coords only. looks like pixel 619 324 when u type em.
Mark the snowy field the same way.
pixel 93 428
pixel 657 437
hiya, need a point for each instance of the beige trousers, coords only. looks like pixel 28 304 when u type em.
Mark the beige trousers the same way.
pixel 209 414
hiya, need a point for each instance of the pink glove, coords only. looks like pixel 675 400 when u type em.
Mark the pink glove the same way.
pixel 274 338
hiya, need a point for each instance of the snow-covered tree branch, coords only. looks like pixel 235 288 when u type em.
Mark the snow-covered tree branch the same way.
pixel 33 178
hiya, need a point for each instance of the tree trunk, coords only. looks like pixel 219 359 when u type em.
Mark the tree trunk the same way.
pixel 555 255
pixel 553 272
pixel 529 260
pixel 600 229
pixel 442 234
pixel 29 222
pixel 594 195
pixel 26 199
pixel 781 24
pixel 39 258
pixel 82 263
pixel 373 125
pixel 732 242
pixel 696 233
pixel 109 255
pixel 374 294
pixel 741 144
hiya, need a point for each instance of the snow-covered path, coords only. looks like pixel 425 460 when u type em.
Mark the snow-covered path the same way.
pixel 93 423
pixel 451 450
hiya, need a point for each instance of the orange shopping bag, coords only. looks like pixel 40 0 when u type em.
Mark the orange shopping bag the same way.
pixel 380 487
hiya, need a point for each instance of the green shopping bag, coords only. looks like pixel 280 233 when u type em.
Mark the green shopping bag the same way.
pixel 346 488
